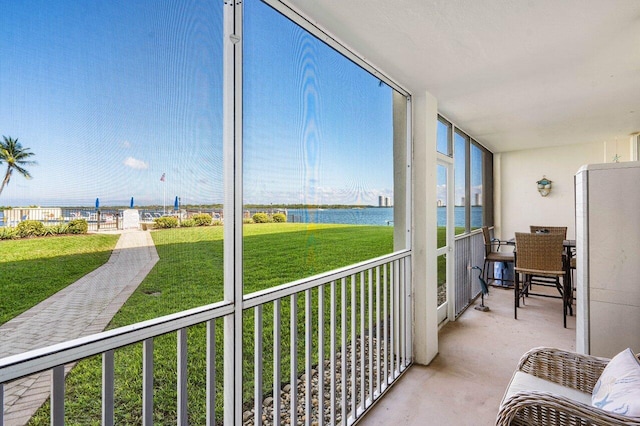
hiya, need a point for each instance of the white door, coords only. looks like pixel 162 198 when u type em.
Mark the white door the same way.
pixel 446 234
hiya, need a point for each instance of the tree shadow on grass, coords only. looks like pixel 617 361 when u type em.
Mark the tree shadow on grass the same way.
pixel 25 283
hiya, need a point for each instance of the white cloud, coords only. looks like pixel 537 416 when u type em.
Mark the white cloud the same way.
pixel 135 163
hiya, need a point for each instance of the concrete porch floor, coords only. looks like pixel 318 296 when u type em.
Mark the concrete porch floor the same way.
pixel 477 355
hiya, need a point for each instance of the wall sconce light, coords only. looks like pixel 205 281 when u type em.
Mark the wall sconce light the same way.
pixel 544 186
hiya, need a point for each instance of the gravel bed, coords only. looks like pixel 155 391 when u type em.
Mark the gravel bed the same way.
pixel 285 395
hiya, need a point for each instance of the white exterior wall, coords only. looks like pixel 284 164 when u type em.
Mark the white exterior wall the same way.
pixel 518 203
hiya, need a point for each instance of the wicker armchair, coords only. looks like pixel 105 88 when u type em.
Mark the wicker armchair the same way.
pixel 571 371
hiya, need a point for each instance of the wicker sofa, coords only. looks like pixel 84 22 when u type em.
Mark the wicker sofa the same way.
pixel 553 387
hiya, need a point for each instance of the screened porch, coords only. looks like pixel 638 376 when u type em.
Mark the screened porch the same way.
pixel 441 115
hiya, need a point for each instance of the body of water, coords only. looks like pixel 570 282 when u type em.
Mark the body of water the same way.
pixel 375 216
pixel 356 216
pixel 458 214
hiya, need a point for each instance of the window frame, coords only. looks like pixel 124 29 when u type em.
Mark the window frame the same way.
pixel 488 215
pixel 449 126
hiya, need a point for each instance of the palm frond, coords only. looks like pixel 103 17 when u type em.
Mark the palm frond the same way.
pixel 24 172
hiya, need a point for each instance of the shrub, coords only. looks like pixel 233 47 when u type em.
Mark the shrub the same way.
pixel 166 222
pixel 188 223
pixel 30 228
pixel 247 220
pixel 77 226
pixel 58 229
pixel 8 233
pixel 261 218
pixel 279 218
pixel 218 223
pixel 202 219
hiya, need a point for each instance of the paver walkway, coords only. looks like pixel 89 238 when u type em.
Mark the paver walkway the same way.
pixel 83 308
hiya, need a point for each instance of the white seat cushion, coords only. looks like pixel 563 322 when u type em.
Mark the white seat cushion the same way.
pixel 526 382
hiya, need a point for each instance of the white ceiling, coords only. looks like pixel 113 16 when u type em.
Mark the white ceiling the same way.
pixel 514 74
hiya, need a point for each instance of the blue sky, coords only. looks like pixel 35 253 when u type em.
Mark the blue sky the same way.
pixel 111 95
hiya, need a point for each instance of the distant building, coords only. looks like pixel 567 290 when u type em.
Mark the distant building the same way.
pixel 384 201
pixel 478 199
pixel 440 203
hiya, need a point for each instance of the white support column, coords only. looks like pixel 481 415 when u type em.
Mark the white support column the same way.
pixel 401 172
pixel 634 147
pixel 424 274
pixel 232 170
pixel 402 203
pixel 497 195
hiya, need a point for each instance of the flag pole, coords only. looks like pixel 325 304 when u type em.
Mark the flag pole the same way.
pixel 164 194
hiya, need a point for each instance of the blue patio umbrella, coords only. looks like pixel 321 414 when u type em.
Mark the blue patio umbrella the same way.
pixel 97 203
pixel 131 203
pixel 176 204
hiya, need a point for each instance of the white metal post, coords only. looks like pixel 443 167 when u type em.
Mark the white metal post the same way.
pixel 294 358
pixel 277 367
pixel 182 376
pixel 147 382
pixel 1 404
pixel 57 396
pixel 211 373
pixel 232 170
pixel 308 347
pixel 107 388
pixel 257 365
pixel 409 213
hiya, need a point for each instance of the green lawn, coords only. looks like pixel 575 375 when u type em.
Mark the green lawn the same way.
pixel 188 274
pixel 190 270
pixel 33 269
pixel 442 239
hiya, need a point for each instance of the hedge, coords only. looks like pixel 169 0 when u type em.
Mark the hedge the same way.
pixel 166 222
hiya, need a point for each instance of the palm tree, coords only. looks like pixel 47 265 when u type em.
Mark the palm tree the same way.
pixel 12 153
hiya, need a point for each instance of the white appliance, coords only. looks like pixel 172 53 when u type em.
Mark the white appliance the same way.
pixel 608 258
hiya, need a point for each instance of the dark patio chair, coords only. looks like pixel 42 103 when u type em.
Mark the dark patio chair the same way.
pixel 492 254
pixel 539 255
pixel 537 229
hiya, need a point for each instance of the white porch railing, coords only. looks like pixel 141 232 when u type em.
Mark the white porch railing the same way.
pixel 469 251
pixel 347 338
